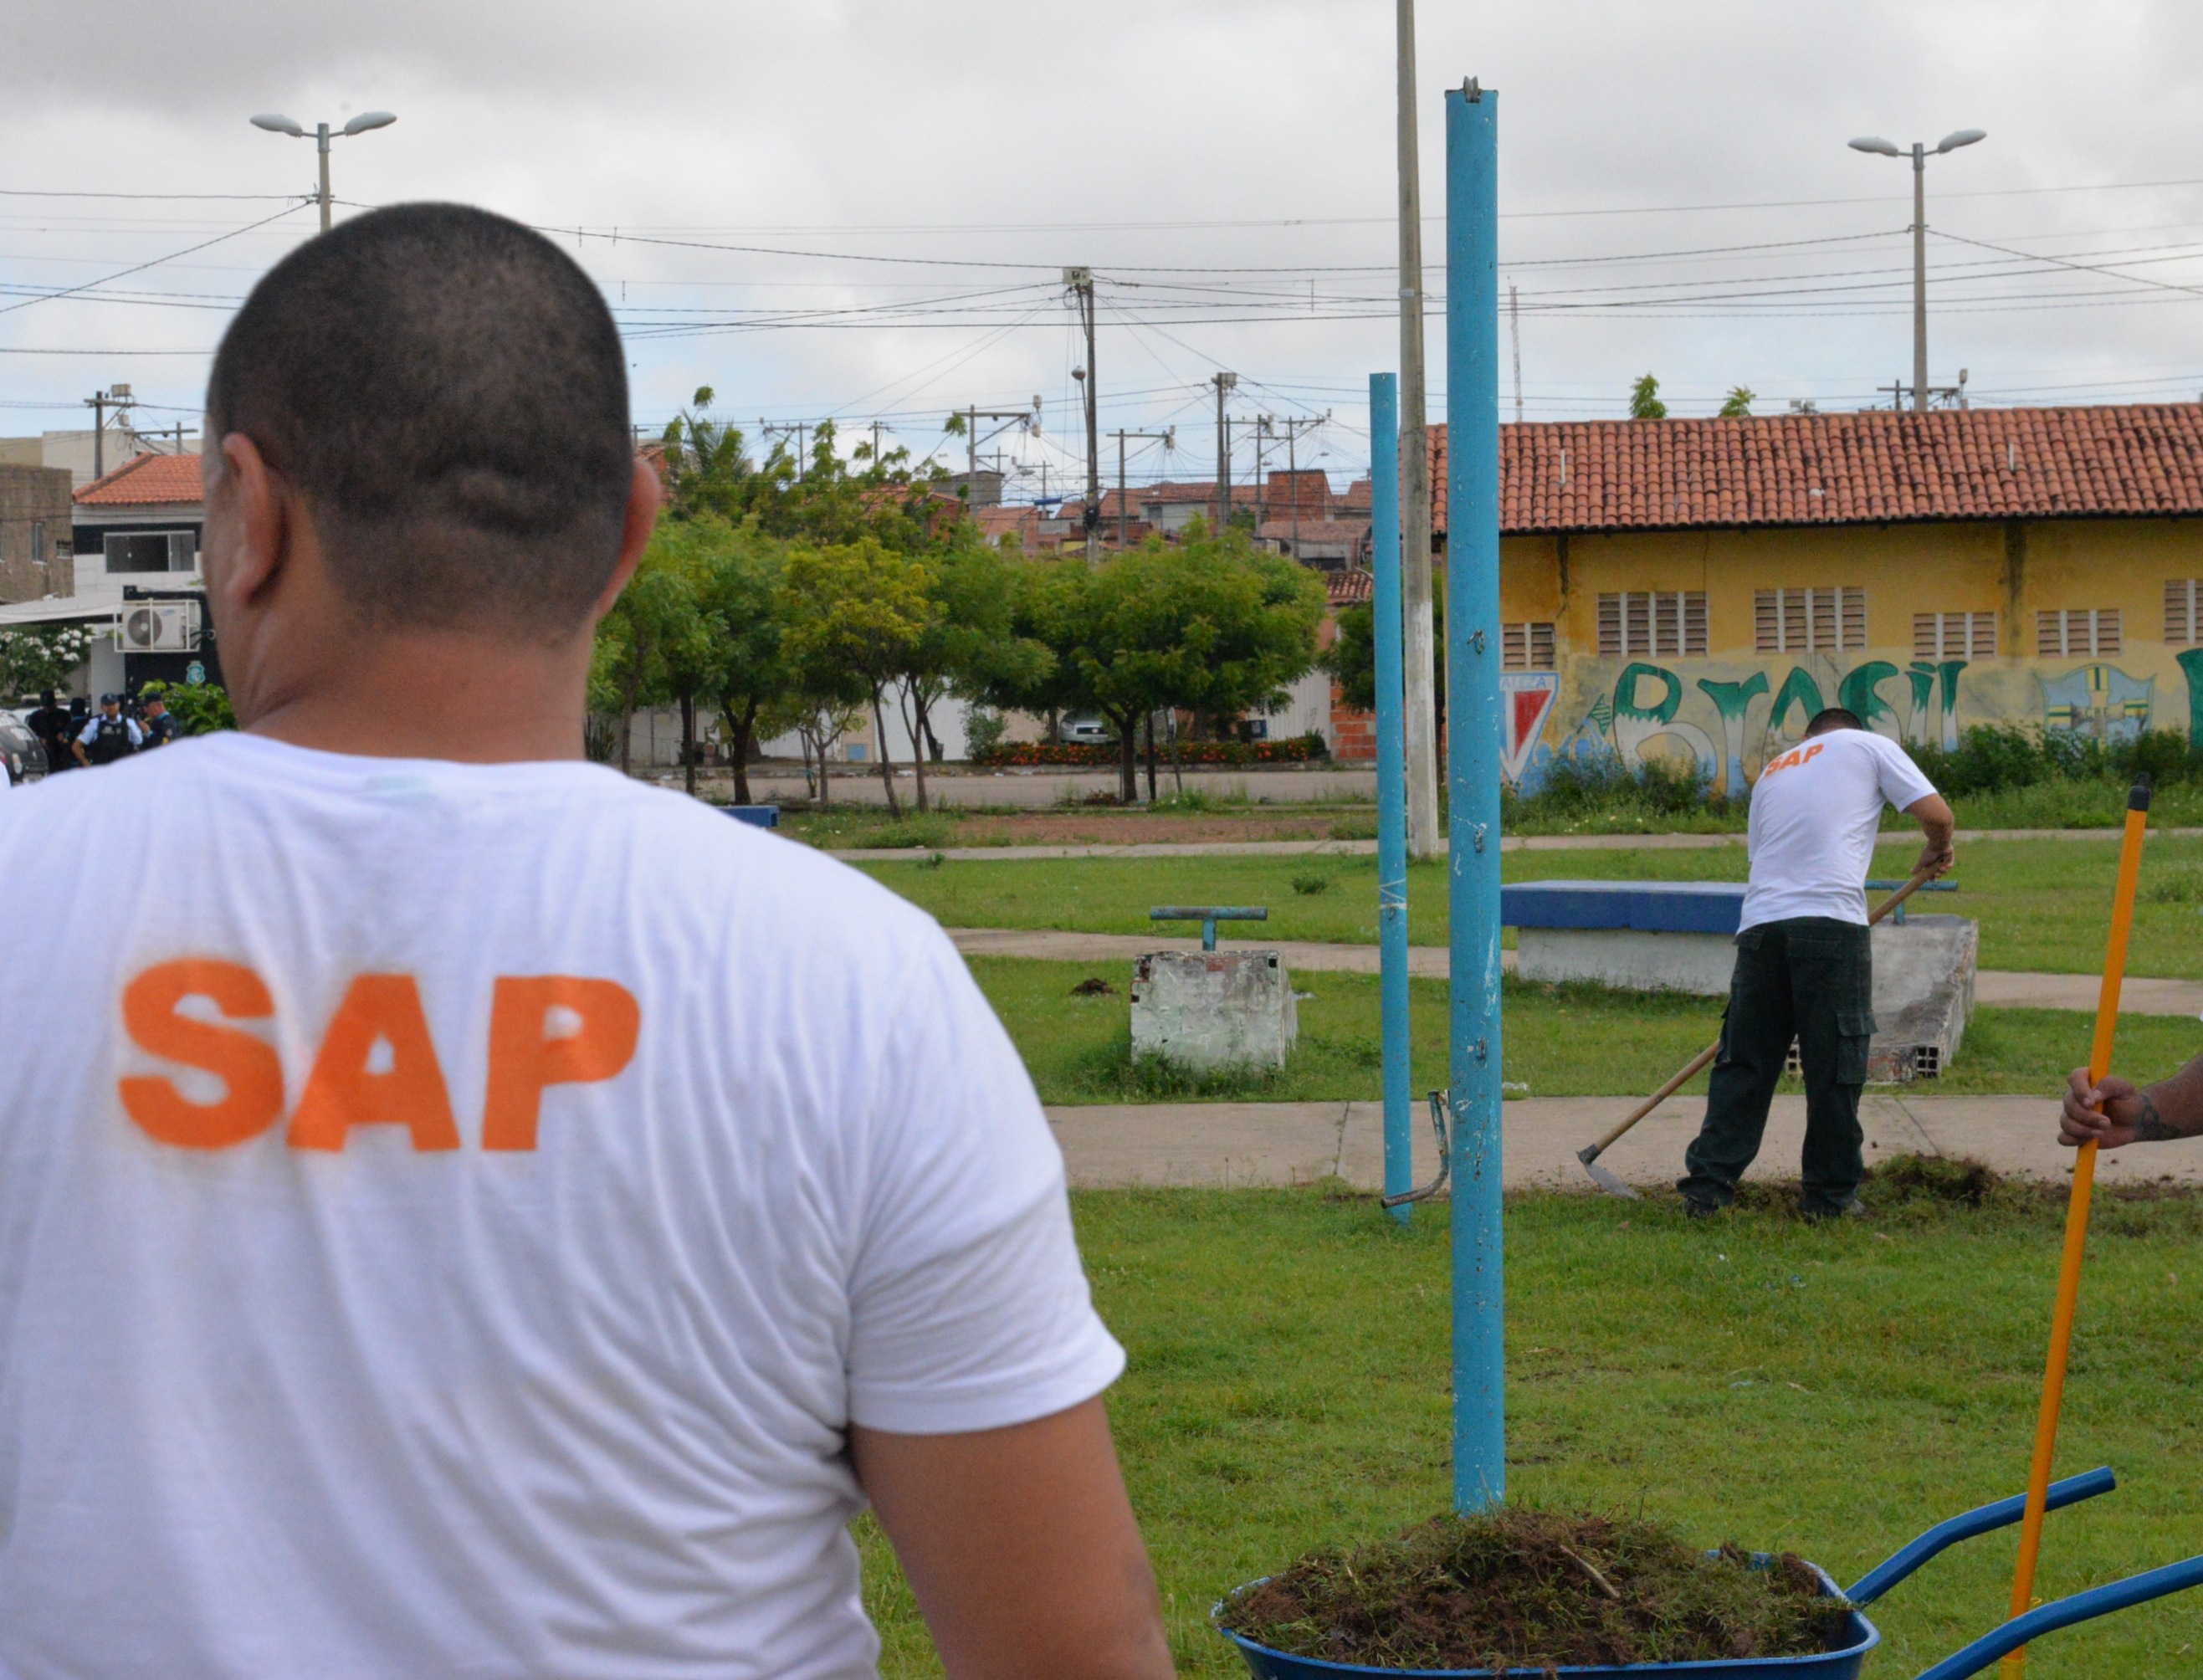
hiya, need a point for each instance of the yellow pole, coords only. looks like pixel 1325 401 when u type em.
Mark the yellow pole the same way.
pixel 2076 1223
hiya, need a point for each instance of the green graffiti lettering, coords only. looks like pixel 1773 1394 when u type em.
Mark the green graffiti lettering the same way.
pixel 1625 694
pixel 2191 667
pixel 1798 689
pixel 1856 693
pixel 1730 699
pixel 1923 686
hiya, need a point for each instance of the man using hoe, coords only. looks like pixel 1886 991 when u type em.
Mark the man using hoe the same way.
pixel 483 1216
pixel 1804 959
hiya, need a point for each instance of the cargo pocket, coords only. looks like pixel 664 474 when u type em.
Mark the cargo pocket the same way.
pixel 1854 1037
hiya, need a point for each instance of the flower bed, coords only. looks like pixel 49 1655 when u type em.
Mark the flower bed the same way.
pixel 1296 750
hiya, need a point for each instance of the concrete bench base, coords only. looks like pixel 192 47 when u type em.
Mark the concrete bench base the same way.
pixel 1214 1009
pixel 1628 957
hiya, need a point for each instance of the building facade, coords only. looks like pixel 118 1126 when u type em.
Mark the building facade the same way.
pixel 1695 589
pixel 34 533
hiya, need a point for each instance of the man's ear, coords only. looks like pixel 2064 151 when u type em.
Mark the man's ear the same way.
pixel 260 515
pixel 642 505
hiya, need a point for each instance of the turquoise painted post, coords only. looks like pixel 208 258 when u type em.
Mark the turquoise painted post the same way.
pixel 1474 750
pixel 1391 785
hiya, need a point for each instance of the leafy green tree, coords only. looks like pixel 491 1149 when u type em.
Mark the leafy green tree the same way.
pixel 1351 659
pixel 738 577
pixel 199 708
pixel 1644 401
pixel 854 614
pixel 653 648
pixel 34 659
pixel 1211 625
pixel 970 643
pixel 1737 405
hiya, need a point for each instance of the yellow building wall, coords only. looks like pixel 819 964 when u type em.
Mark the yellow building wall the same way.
pixel 1736 706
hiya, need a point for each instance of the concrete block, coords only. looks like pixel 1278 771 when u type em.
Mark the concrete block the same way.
pixel 1923 994
pixel 1214 1009
pixel 1628 957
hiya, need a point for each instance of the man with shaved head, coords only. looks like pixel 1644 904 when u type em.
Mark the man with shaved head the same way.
pixel 475 1214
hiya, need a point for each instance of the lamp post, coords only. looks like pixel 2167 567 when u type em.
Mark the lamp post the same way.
pixel 1920 155
pixel 358 125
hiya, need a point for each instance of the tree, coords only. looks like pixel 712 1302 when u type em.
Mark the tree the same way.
pixel 1737 405
pixel 1352 657
pixel 199 708
pixel 1210 626
pixel 34 659
pixel 970 643
pixel 1644 401
pixel 653 646
pixel 738 577
pixel 853 613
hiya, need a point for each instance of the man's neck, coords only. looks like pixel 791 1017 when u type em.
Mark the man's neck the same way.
pixel 472 698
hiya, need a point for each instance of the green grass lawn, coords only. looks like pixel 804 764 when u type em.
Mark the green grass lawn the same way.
pixel 1560 1040
pixel 2041 904
pixel 1829 1391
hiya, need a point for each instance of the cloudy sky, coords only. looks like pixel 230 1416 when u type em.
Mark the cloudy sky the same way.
pixel 859 210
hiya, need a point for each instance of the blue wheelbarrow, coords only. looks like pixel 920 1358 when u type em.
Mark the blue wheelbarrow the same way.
pixel 1857 1636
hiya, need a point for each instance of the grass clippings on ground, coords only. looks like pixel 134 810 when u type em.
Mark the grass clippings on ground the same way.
pixel 1517 1588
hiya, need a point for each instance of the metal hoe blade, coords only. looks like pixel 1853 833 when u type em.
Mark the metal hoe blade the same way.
pixel 1604 1179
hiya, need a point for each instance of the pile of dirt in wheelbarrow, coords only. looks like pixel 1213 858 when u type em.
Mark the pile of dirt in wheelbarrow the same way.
pixel 1521 1588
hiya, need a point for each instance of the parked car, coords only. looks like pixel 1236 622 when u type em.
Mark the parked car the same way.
pixel 20 749
pixel 1085 730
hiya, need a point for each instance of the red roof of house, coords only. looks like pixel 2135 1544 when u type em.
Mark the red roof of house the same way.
pixel 1349 588
pixel 1871 469
pixel 148 480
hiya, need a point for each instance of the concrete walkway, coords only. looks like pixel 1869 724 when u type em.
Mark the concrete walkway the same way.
pixel 1237 1145
pixel 1997 988
pixel 1367 848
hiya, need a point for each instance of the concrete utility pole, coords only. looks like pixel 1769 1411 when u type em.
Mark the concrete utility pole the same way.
pixel 972 416
pixel 1168 439
pixel 1081 282
pixel 1514 327
pixel 1414 471
pixel 1920 155
pixel 117 398
pixel 358 125
pixel 1293 430
pixel 1226 383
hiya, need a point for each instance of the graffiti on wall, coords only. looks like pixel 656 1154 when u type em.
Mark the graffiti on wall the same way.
pixel 1733 718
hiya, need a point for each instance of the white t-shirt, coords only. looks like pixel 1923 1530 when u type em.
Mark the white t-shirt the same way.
pixel 449 1215
pixel 1815 812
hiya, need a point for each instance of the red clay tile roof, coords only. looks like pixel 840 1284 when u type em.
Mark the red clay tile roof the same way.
pixel 148 480
pixel 1348 588
pixel 1875 468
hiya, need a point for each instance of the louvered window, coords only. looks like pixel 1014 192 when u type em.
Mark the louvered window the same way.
pixel 2077 632
pixel 2184 624
pixel 1954 635
pixel 1809 621
pixel 1654 622
pixel 1525 648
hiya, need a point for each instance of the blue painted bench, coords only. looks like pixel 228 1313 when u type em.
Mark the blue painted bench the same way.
pixel 1643 906
pixel 758 817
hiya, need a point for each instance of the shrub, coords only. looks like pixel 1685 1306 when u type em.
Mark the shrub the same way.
pixel 1293 750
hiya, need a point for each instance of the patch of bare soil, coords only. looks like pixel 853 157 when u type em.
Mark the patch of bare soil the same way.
pixel 1519 1589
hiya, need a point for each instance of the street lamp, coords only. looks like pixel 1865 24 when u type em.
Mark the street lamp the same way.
pixel 358 125
pixel 1919 154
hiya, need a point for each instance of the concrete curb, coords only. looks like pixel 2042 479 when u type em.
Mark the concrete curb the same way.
pixel 1236 1146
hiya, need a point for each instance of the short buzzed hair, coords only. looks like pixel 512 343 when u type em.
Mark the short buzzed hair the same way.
pixel 446 391
pixel 1835 717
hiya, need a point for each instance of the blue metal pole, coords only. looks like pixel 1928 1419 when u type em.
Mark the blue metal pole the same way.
pixel 1391 785
pixel 1473 757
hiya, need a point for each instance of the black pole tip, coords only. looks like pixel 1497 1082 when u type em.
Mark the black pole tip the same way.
pixel 2138 796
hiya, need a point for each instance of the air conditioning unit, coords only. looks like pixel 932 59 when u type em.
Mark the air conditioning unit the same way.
pixel 166 627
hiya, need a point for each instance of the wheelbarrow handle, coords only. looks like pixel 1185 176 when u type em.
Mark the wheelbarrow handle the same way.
pixel 2063 1613
pixel 2001 1515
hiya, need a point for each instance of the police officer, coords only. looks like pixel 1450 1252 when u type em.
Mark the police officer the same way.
pixel 160 728
pixel 108 736
pixel 51 725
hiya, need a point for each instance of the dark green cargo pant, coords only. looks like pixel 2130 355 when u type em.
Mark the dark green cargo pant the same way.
pixel 1810 978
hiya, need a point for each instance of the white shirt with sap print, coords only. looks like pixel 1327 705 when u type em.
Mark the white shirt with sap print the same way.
pixel 451 1216
pixel 1815 812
